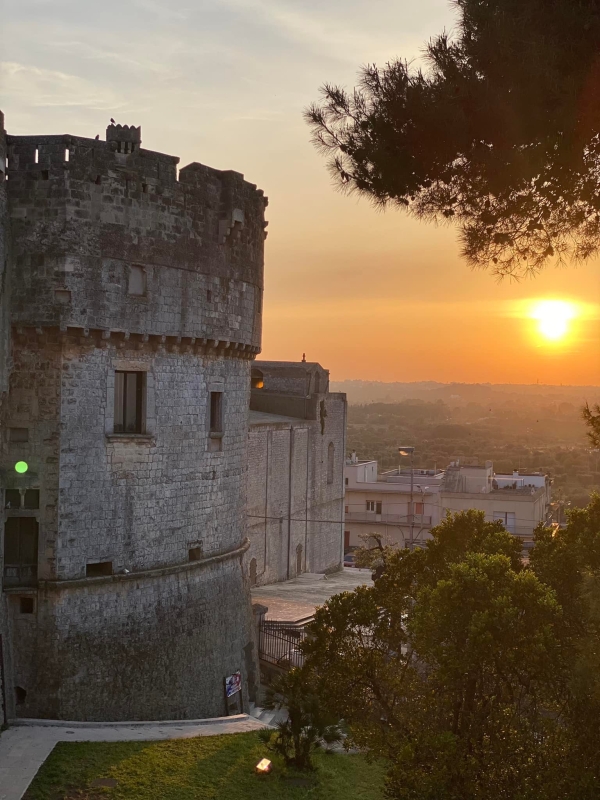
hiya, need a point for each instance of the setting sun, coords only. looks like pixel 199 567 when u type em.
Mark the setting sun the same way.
pixel 553 318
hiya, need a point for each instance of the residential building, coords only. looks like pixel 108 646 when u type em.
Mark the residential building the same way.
pixel 520 500
pixel 382 505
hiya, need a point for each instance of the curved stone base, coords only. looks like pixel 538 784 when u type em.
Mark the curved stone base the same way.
pixel 144 646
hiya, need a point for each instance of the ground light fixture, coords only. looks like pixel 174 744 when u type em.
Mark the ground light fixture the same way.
pixel 263 767
pixel 21 467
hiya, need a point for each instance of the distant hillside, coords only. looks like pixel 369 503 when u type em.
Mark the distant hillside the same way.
pixel 517 427
pixel 461 394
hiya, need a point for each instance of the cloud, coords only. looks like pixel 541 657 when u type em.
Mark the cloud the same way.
pixel 50 88
pixel 326 33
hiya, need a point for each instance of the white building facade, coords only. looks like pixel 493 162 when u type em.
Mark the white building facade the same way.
pixel 382 507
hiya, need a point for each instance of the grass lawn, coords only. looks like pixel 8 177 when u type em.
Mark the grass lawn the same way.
pixel 215 767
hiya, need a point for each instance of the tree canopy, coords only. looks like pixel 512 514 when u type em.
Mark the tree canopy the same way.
pixel 500 132
pixel 474 674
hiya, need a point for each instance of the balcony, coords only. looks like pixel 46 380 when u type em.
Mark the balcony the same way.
pixel 371 518
pixel 19 575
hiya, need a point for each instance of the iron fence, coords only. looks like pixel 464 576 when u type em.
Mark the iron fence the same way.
pixel 279 644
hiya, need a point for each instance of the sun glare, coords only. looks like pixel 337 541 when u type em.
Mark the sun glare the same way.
pixel 553 318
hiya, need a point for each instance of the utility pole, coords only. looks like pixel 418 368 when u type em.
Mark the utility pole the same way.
pixel 410 451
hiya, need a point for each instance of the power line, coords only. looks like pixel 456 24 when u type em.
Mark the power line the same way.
pixel 284 518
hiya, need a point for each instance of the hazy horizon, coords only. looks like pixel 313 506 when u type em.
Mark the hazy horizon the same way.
pixel 225 83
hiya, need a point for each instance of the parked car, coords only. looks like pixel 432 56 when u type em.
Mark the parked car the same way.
pixel 349 560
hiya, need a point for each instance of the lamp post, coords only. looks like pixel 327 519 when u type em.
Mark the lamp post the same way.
pixel 410 451
pixel 422 489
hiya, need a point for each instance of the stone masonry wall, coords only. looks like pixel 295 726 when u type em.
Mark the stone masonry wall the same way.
pixel 137 646
pixel 144 502
pixel 6 687
pixel 80 226
pixel 294 453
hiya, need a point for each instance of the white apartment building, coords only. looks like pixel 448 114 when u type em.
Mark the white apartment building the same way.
pixel 382 504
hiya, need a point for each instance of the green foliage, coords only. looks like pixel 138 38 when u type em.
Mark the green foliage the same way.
pixel 501 133
pixel 568 560
pixel 308 724
pixel 462 668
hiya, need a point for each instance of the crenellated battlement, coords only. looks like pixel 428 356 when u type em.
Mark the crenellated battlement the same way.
pixel 91 217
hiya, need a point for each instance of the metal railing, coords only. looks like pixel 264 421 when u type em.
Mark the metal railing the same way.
pixel 370 517
pixel 279 645
pixel 20 575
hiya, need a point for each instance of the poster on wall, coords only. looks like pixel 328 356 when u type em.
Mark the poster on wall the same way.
pixel 233 684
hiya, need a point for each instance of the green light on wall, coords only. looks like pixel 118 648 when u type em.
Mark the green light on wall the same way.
pixel 21 467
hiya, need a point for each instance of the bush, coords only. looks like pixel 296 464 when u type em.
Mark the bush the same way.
pixel 307 727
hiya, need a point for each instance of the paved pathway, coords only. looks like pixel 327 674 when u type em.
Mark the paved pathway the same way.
pixel 295 599
pixel 25 747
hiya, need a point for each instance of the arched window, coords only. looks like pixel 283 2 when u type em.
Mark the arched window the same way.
pixel 299 560
pixel 257 379
pixel 253 572
pixel 330 462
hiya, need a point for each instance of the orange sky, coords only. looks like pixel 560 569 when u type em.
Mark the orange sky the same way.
pixel 224 82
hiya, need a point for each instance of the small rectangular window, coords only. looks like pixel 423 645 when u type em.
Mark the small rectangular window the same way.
pixel 26 605
pixel 419 508
pixel 67 154
pixel 370 505
pixel 98 570
pixel 208 296
pixel 137 281
pixel 37 156
pixel 98 180
pixel 20 435
pixel 62 296
pixel 12 498
pixel 31 499
pixel 195 553
pixel 216 412
pixel 129 402
pixel 378 508
pixel 45 175
pixel 346 509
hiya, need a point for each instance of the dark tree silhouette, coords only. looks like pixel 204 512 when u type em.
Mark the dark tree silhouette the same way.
pixel 501 132
pixel 591 418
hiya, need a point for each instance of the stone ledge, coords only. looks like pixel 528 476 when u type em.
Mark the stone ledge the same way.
pixel 140 438
pixel 188 566
pixel 26 722
pixel 173 342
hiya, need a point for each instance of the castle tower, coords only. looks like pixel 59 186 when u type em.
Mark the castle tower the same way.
pixel 136 313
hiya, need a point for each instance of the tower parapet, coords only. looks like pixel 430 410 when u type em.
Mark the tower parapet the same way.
pixel 109 239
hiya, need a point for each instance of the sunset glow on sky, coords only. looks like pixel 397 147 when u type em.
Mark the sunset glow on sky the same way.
pixel 370 295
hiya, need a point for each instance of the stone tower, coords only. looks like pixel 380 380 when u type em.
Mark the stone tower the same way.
pixel 135 311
